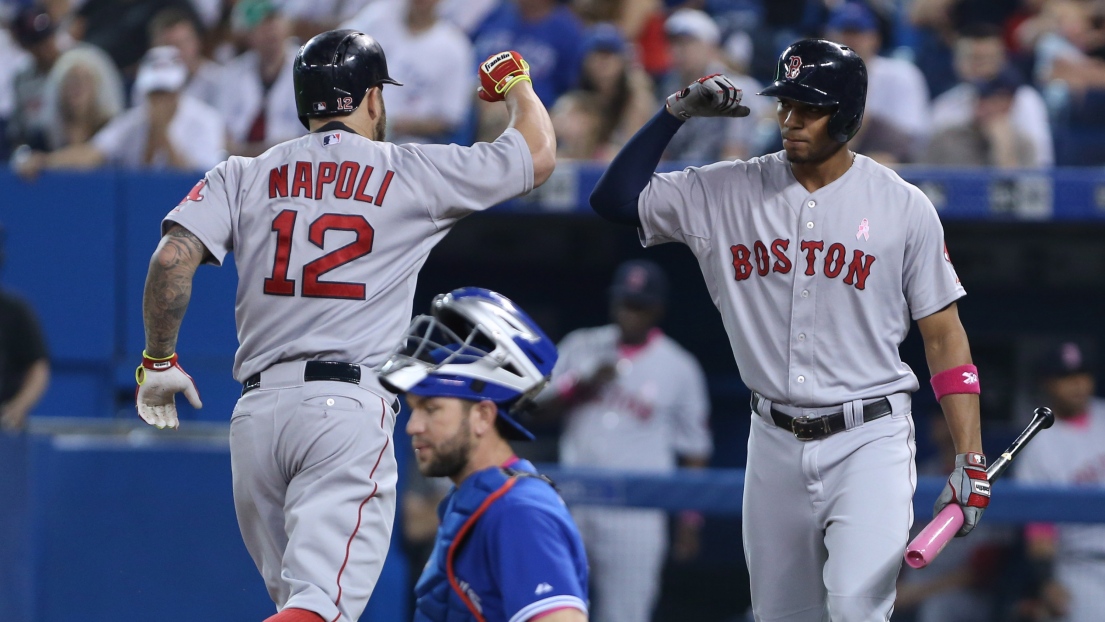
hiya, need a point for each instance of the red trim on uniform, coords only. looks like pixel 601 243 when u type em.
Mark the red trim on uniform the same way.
pixel 349 543
pixel 511 461
pixel 293 614
pixel 628 350
pixel 1081 420
pixel 462 534
pixel 1041 531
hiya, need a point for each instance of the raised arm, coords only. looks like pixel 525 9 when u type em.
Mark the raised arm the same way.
pixel 615 196
pixel 529 117
pixel 505 77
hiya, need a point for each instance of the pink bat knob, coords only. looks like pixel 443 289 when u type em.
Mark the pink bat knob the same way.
pixel 932 539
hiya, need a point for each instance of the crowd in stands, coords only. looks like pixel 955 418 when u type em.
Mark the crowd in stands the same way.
pixel 185 83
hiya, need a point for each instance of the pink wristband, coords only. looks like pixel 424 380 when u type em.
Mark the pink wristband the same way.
pixel 962 379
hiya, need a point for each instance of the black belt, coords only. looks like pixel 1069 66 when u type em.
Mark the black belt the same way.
pixel 813 428
pixel 313 371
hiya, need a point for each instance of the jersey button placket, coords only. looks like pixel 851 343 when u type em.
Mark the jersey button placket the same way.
pixel 801 355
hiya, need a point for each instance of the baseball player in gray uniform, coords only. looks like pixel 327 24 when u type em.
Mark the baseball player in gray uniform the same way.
pixel 631 398
pixel 329 232
pixel 818 259
pixel 1069 558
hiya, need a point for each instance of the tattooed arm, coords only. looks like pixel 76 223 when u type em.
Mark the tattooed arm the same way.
pixel 169 288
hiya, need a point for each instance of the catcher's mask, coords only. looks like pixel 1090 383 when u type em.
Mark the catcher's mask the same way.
pixel 475 345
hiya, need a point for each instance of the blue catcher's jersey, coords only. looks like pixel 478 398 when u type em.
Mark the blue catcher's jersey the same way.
pixel 520 554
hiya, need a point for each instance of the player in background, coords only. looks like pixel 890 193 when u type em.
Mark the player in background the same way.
pixel 507 548
pixel 631 398
pixel 1068 560
pixel 24 359
pixel 817 259
pixel 329 232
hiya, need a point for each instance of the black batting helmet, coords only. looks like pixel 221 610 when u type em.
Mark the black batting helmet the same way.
pixel 822 73
pixel 334 70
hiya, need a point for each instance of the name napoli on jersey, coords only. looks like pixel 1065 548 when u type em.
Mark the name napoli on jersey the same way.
pixel 831 261
pixel 319 180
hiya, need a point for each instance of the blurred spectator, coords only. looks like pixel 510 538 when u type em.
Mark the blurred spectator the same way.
pixel 980 57
pixel 257 85
pixel 626 100
pixel 1069 559
pixel 635 19
pixel 308 18
pixel 957 14
pixel 1068 47
pixel 180 30
pixel 577 121
pixel 991 137
pixel 547 34
pixel 208 13
pixel 435 63
pixel 468 15
pixel 695 51
pixel 166 130
pixel 939 23
pixel 957 586
pixel 83 93
pixel 36 32
pixel 24 365
pixel 631 399
pixel 121 27
pixel 897 96
pixel 15 59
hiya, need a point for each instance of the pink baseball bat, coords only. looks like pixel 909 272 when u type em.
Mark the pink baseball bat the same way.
pixel 943 527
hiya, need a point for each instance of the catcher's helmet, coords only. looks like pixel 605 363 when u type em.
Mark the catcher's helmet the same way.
pixel 334 70
pixel 823 73
pixel 476 345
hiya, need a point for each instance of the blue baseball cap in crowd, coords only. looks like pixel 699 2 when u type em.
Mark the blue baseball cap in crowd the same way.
pixel 604 38
pixel 639 282
pixel 852 17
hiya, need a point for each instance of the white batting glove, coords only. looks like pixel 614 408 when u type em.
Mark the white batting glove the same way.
pixel 159 380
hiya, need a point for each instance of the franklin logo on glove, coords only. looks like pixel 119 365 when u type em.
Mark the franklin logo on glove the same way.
pixel 499 73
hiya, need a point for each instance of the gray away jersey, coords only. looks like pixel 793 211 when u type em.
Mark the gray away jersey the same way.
pixel 816 290
pixel 1070 454
pixel 330 230
pixel 656 409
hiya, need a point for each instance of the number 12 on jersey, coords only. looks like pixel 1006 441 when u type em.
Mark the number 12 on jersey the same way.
pixel 284 225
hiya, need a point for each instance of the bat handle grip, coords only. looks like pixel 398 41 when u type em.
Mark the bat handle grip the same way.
pixel 934 537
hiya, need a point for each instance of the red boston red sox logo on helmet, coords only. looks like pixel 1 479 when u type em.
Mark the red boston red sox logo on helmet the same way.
pixel 794 67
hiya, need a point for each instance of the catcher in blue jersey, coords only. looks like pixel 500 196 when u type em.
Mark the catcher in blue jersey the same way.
pixel 507 549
